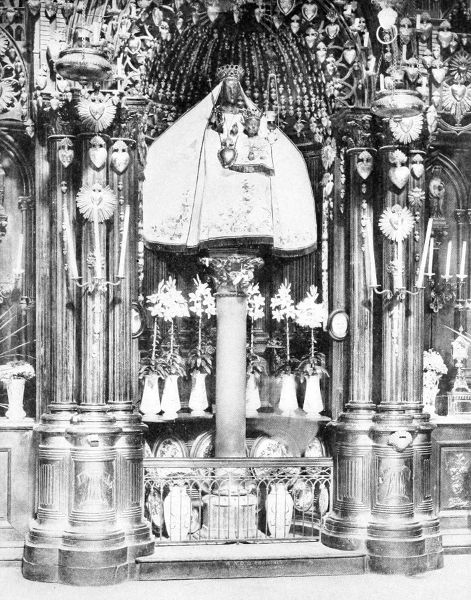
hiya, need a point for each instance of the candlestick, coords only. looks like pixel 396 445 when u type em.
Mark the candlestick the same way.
pixel 462 274
pixel 371 253
pixel 71 260
pixel 19 258
pixel 430 257
pixel 124 242
pixel 448 260
pixel 420 276
pixel 96 231
pixel 366 39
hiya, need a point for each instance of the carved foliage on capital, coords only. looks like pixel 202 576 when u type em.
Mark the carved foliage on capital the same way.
pixel 233 273
pixel 356 131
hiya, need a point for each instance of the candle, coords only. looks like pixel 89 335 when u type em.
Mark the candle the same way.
pixel 404 52
pixel 397 279
pixel 371 252
pixel 430 258
pixel 463 261
pixel 19 258
pixel 448 260
pixel 96 32
pixel 420 276
pixel 96 230
pixel 70 246
pixel 124 242
pixel 366 39
pixel 119 66
pixel 381 82
pixel 417 22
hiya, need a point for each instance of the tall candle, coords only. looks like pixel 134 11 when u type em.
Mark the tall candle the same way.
pixel 404 52
pixel 96 231
pixel 462 274
pixel 448 260
pixel 366 39
pixel 371 252
pixel 397 279
pixel 381 82
pixel 124 242
pixel 420 276
pixel 72 262
pixel 417 22
pixel 430 258
pixel 19 258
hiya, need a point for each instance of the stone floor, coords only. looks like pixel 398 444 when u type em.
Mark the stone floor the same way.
pixel 453 582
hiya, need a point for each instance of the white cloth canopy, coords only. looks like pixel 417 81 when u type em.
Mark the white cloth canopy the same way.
pixel 190 200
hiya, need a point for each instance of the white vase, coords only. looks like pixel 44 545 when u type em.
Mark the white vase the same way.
pixel 150 402
pixel 313 404
pixel 252 396
pixel 430 391
pixel 177 513
pixel 171 397
pixel 279 507
pixel 198 402
pixel 15 391
pixel 288 402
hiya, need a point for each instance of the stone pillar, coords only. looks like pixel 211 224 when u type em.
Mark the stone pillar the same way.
pixel 56 367
pixel 232 509
pixel 395 541
pixel 345 526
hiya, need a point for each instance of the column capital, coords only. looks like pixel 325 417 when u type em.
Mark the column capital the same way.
pixel 232 273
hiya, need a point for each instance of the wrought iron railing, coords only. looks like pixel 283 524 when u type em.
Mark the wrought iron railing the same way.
pixel 214 500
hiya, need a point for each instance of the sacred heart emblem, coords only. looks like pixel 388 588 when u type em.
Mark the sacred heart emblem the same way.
pixel 396 223
pixel 34 7
pixel 97 152
pixel 286 6
pixel 97 108
pixel 439 75
pixel 227 156
pixel 412 74
pixel 364 164
pixel 417 166
pixel 458 91
pixel 96 111
pixel 332 30
pixel 399 176
pixel 349 55
pixel 213 12
pixel 309 11
pixel 65 152
pixel 120 157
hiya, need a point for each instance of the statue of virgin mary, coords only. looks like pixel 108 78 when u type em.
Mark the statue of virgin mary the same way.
pixel 224 175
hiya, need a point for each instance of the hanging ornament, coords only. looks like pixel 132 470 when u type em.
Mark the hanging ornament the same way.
pixel 34 7
pixel 65 152
pixel 399 174
pixel 364 164
pixel 407 129
pixel 417 166
pixel 309 10
pixel 96 201
pixel 396 223
pixel 120 157
pixel 96 111
pixel 97 152
pixel 286 6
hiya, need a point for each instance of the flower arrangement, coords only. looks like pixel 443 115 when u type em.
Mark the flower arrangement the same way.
pixel 255 310
pixel 16 369
pixel 311 314
pixel 283 310
pixel 201 304
pixel 168 304
pixel 434 362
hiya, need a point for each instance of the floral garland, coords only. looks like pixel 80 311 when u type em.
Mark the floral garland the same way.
pixel 255 311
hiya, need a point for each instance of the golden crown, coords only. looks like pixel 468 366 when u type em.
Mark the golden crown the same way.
pixel 232 71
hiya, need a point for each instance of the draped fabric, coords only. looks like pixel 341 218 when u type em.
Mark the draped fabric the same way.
pixel 190 200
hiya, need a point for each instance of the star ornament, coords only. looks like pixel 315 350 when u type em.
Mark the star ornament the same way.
pixel 96 200
pixel 396 223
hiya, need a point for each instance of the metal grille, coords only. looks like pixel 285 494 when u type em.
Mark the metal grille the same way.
pixel 237 500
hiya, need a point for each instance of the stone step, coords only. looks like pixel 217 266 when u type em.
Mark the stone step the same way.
pixel 227 561
pixel 11 556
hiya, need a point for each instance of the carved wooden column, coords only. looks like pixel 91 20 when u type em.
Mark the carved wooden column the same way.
pixel 56 344
pixel 395 541
pixel 345 526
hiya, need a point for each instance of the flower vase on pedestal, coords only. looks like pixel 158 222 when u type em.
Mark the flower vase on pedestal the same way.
pixel 177 513
pixel 171 397
pixel 150 402
pixel 288 401
pixel 15 391
pixel 279 507
pixel 252 396
pixel 198 402
pixel 313 404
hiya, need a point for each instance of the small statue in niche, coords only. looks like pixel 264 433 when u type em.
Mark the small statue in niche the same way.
pixel 437 192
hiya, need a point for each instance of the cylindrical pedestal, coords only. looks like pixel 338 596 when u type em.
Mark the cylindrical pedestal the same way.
pixel 423 501
pixel 345 526
pixel 41 549
pixel 93 547
pixel 395 543
pixel 230 374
